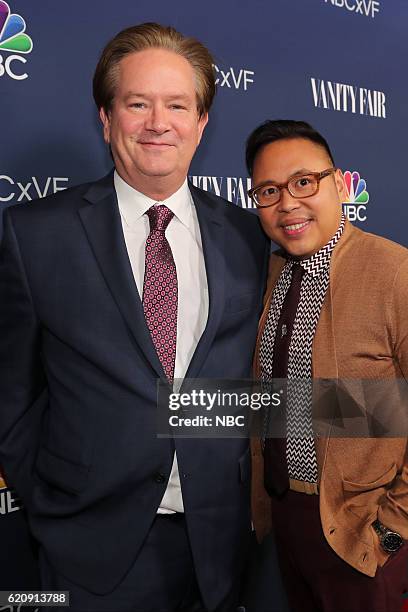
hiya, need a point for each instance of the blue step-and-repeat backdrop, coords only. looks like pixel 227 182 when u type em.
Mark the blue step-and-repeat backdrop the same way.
pixel 339 64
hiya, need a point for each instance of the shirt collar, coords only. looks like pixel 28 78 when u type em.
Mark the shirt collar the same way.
pixel 319 261
pixel 133 204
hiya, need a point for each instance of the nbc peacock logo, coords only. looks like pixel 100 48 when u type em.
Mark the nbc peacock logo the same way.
pixel 2 481
pixel 14 41
pixel 9 502
pixel 357 196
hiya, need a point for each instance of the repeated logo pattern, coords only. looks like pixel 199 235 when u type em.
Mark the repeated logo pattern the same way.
pixel 356 188
pixel 300 448
pixel 160 289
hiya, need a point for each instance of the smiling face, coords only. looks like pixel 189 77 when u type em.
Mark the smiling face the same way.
pixel 153 127
pixel 301 226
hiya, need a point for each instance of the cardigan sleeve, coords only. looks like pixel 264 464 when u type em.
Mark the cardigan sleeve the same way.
pixel 400 317
pixel 393 512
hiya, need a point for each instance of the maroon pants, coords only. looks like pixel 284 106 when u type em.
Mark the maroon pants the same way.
pixel 316 578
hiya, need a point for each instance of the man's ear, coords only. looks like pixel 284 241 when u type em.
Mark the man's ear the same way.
pixel 202 122
pixel 341 187
pixel 105 118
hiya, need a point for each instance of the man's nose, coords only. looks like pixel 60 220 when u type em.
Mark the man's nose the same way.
pixel 287 202
pixel 158 119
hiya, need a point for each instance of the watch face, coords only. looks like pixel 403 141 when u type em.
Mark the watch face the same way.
pixel 392 542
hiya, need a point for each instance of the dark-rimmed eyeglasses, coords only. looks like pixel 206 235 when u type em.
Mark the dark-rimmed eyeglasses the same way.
pixel 299 186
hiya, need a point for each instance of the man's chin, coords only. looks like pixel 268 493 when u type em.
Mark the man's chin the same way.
pixel 295 248
pixel 145 173
pixel 156 169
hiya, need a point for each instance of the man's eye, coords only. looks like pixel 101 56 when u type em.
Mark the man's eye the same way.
pixel 138 105
pixel 303 181
pixel 269 191
pixel 177 107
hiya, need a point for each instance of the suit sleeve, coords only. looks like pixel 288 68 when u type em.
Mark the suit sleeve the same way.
pixel 394 511
pixel 22 382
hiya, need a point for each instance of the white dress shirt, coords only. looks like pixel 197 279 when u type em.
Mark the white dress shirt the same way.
pixel 183 235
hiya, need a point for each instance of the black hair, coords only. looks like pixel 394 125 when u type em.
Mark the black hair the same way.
pixel 281 129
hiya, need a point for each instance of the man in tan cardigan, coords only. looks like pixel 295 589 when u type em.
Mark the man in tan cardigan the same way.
pixel 336 308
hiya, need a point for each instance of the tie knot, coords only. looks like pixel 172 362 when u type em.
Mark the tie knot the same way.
pixel 159 217
pixel 297 275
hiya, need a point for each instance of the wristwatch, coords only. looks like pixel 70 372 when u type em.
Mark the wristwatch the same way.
pixel 390 541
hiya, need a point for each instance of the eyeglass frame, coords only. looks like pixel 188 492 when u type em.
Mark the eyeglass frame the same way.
pixel 319 176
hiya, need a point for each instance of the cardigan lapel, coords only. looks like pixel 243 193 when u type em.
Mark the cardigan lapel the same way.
pixel 324 356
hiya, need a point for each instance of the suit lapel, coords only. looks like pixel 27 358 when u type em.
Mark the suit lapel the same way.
pixel 276 263
pixel 212 236
pixel 101 220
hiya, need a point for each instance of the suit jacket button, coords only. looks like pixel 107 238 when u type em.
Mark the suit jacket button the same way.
pixel 159 478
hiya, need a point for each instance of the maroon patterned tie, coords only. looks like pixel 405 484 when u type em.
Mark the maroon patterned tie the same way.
pixel 160 289
pixel 276 469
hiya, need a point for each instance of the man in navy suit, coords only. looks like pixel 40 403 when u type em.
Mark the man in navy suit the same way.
pixel 104 289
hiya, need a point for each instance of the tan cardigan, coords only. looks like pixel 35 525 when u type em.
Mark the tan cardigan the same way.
pixel 362 333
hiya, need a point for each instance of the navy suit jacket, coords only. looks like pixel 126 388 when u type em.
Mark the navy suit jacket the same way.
pixel 78 384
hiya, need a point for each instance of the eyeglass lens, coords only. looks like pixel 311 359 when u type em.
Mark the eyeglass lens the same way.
pixel 298 186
